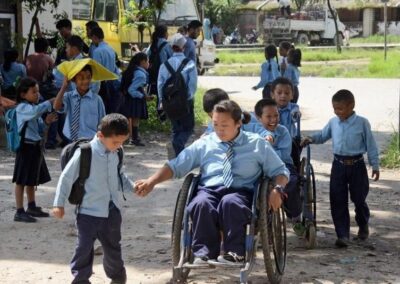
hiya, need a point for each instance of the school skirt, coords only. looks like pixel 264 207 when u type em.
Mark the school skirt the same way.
pixel 30 167
pixel 134 108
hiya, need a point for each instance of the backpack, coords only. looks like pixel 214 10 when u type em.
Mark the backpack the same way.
pixel 78 188
pixel 175 93
pixel 14 138
pixel 155 63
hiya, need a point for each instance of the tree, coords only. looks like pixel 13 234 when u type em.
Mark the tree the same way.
pixel 38 6
pixel 337 34
pixel 222 12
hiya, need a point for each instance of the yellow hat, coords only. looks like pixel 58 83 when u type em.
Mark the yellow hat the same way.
pixel 99 72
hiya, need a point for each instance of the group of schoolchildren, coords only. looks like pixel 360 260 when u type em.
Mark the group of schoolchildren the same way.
pixel 231 158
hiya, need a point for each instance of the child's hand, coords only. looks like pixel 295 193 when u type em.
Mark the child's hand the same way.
pixel 270 139
pixel 65 83
pixel 149 97
pixel 58 212
pixel 52 100
pixel 275 200
pixel 143 187
pixel 306 141
pixel 254 88
pixel 375 173
pixel 51 117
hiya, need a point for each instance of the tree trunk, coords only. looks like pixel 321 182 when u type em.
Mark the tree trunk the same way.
pixel 333 13
pixel 28 43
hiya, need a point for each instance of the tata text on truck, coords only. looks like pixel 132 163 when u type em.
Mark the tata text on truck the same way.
pixel 109 15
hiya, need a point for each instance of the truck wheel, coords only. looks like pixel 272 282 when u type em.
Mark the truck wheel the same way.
pixel 302 39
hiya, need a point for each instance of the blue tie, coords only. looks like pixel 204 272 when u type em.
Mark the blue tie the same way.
pixel 227 165
pixel 75 120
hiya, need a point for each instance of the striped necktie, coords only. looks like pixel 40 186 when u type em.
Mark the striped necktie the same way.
pixel 75 120
pixel 227 165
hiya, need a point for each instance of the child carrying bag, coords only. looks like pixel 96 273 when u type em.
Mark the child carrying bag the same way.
pixel 14 138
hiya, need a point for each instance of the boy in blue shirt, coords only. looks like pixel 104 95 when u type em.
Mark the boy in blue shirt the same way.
pixel 289 113
pixel 83 109
pixel 181 128
pixel 351 138
pixel 98 216
pixel 267 113
pixel 194 30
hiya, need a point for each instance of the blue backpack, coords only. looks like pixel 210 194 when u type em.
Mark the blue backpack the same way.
pixel 14 138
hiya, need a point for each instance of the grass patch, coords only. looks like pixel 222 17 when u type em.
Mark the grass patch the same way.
pixel 153 124
pixel 391 157
pixel 376 39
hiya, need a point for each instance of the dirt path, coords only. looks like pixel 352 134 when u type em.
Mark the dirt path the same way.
pixel 40 253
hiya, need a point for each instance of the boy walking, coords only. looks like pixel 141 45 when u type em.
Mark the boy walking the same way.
pixel 98 216
pixel 351 138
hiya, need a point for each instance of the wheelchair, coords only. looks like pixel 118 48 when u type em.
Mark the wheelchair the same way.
pixel 307 188
pixel 266 225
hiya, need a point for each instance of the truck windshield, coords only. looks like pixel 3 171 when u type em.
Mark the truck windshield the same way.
pixel 177 13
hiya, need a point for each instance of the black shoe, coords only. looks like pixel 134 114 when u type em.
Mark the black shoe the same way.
pixel 231 258
pixel 121 280
pixel 37 212
pixel 50 147
pixel 363 232
pixel 342 243
pixel 24 217
pixel 136 142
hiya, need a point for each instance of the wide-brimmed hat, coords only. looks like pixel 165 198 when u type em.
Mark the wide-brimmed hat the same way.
pixel 99 72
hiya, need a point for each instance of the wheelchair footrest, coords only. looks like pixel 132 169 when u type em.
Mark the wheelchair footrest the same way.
pixel 225 265
pixel 197 266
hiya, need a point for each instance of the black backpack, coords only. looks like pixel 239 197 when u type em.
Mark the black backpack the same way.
pixel 175 93
pixel 78 188
pixel 155 63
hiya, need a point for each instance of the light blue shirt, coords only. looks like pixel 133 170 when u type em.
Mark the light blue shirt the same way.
pixel 102 186
pixel 269 72
pixel 165 53
pixel 91 112
pixel 105 55
pixel 92 47
pixel 282 143
pixel 189 74
pixel 350 137
pixel 253 157
pixel 140 80
pixel 9 77
pixel 292 73
pixel 32 113
pixel 253 126
pixel 190 49
pixel 288 117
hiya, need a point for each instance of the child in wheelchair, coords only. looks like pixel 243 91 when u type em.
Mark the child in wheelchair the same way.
pixel 231 161
pixel 267 113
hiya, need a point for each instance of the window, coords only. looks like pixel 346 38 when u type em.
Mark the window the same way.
pixel 106 10
pixel 81 9
pixel 180 12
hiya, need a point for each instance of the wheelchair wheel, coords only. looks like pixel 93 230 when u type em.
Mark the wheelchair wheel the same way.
pixel 272 227
pixel 181 252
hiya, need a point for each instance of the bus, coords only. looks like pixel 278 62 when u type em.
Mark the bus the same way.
pixel 110 13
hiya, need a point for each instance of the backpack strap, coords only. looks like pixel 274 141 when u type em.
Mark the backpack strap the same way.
pixel 183 64
pixel 162 46
pixel 85 163
pixel 23 131
pixel 120 153
pixel 169 68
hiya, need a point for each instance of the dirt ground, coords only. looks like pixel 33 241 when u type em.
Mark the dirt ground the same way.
pixel 40 253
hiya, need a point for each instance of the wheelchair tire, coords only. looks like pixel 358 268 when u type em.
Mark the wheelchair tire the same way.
pixel 272 227
pixel 179 275
pixel 311 236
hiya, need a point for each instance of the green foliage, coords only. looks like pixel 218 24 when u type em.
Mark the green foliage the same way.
pixel 391 158
pixel 376 39
pixel 33 5
pixel 223 13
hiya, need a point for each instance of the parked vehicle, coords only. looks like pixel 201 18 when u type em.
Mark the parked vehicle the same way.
pixel 310 27
pixel 252 37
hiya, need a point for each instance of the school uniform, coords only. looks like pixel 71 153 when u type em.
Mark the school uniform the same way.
pixel 351 138
pixel 269 72
pixel 165 53
pixel 91 111
pixel 293 74
pixel 17 70
pixel 30 167
pixel 135 104
pixel 190 49
pixel 99 215
pixel 211 209
pixel 54 42
pixel 282 145
pixel 109 90
pixel 282 60
pixel 288 117
pixel 181 128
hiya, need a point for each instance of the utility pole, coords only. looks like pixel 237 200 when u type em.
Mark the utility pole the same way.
pixel 385 27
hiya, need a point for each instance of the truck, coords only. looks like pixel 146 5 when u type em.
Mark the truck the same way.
pixel 109 14
pixel 312 27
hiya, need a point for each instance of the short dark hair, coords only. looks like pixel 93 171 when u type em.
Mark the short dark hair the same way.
pixel 63 23
pixel 41 44
pixel 270 51
pixel 194 24
pixel 23 86
pixel 87 67
pixel 213 97
pixel 286 45
pixel 344 96
pixel 294 57
pixel 114 124
pixel 97 32
pixel 92 24
pixel 281 81
pixel 76 41
pixel 258 108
